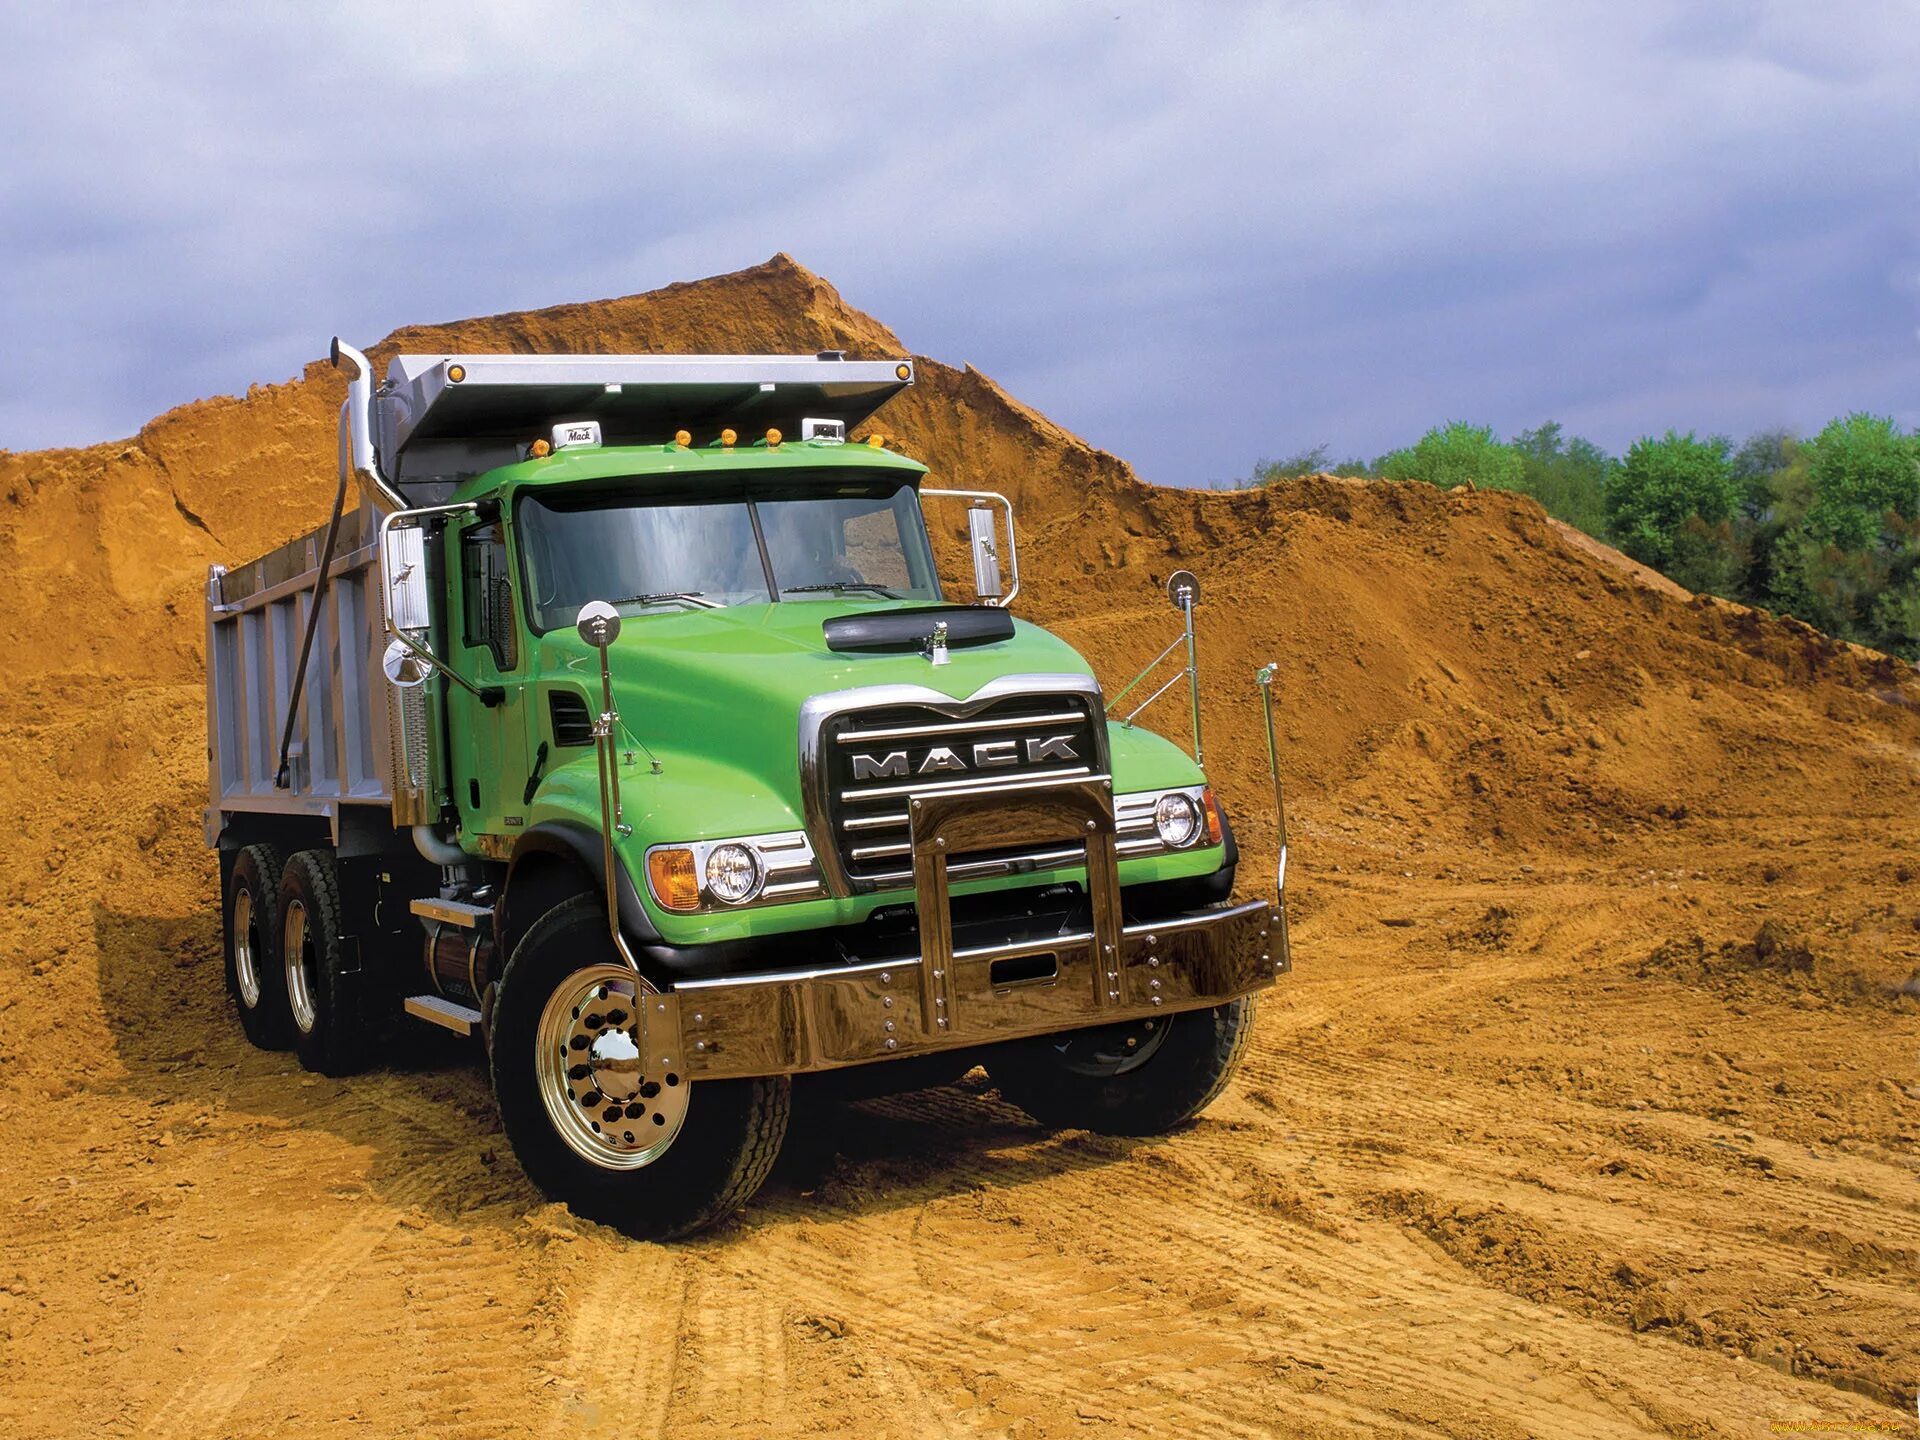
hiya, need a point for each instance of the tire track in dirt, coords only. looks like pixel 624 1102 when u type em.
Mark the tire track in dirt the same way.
pixel 959 1324
pixel 1816 1193
pixel 459 1387
pixel 1210 1194
pixel 623 1347
pixel 260 1323
pixel 1317 1296
pixel 732 1341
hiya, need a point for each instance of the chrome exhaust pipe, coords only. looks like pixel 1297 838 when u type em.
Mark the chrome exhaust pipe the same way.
pixel 356 420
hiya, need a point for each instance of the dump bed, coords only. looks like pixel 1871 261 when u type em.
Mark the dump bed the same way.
pixel 344 738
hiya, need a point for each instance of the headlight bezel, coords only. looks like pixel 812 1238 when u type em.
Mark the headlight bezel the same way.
pixel 784 863
pixel 1139 835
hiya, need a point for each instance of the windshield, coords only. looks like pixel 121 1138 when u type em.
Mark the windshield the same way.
pixel 643 553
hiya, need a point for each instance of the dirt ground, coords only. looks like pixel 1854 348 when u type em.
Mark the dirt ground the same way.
pixel 1592 1107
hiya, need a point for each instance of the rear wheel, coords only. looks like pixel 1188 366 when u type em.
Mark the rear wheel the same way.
pixel 650 1153
pixel 252 930
pixel 1140 1077
pixel 323 979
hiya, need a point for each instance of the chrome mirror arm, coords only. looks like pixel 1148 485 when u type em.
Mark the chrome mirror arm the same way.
pixel 599 625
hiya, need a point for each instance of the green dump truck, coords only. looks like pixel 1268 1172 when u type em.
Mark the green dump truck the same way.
pixel 616 715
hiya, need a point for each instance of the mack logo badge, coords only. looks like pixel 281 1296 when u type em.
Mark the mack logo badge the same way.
pixel 943 759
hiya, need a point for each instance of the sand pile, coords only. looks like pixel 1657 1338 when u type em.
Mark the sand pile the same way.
pixel 1519 771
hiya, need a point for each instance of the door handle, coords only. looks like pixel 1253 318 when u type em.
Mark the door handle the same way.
pixel 533 780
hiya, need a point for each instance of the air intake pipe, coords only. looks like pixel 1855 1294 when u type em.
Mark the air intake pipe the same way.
pixel 356 420
pixel 357 450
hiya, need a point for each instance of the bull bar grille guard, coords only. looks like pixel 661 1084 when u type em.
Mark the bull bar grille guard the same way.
pixel 942 999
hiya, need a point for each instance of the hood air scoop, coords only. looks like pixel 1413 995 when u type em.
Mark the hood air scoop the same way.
pixel 908 631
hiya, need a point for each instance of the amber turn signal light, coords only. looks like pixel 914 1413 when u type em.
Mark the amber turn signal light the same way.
pixel 670 871
pixel 1210 811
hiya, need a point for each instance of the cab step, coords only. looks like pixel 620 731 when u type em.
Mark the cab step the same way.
pixel 454 912
pixel 436 1010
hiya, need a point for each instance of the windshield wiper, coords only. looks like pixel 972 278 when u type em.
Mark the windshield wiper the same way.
pixel 685 597
pixel 837 586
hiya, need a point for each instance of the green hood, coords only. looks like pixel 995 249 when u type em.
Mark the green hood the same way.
pixel 715 695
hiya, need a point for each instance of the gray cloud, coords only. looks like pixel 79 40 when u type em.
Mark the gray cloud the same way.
pixel 1194 234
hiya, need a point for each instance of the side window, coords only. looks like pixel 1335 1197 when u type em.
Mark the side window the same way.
pixel 488 609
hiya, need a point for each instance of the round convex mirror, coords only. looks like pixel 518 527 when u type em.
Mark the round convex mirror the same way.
pixel 598 623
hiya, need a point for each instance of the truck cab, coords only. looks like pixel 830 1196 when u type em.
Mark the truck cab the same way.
pixel 672 771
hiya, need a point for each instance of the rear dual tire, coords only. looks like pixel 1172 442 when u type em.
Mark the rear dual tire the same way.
pixel 292 974
pixel 255 982
pixel 327 1007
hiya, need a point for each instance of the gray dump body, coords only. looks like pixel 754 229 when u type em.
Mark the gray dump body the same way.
pixel 345 737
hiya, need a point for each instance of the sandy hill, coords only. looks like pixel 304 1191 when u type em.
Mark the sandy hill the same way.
pixel 1458 658
pixel 1540 1138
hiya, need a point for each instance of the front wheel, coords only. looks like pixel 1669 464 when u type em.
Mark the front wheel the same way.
pixel 1140 1077
pixel 650 1153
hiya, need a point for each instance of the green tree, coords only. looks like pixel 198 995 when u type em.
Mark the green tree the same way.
pixel 1454 453
pixel 1311 461
pixel 1567 477
pixel 1862 468
pixel 1757 463
pixel 1661 485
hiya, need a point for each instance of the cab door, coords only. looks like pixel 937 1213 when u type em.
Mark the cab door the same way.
pixel 490 761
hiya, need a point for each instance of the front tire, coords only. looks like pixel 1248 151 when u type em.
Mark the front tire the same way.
pixel 251 911
pixel 653 1155
pixel 1140 1077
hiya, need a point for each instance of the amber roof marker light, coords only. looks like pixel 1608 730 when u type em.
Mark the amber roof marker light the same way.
pixel 682 439
pixel 727 437
pixel 773 439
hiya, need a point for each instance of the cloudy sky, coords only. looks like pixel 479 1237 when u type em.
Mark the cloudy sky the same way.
pixel 1197 234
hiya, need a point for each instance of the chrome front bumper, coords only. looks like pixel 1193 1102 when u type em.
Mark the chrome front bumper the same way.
pixel 945 999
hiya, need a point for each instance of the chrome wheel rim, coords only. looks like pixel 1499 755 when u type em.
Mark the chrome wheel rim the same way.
pixel 1113 1049
pixel 586 1062
pixel 246 939
pixel 296 943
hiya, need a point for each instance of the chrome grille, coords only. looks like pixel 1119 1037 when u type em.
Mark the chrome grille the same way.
pixel 875 759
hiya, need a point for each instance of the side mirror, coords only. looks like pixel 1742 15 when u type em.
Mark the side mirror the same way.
pixel 983 539
pixel 408 601
pixel 598 624
pixel 404 666
pixel 1183 589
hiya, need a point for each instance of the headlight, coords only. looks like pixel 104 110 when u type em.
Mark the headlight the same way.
pixel 734 874
pixel 1177 819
